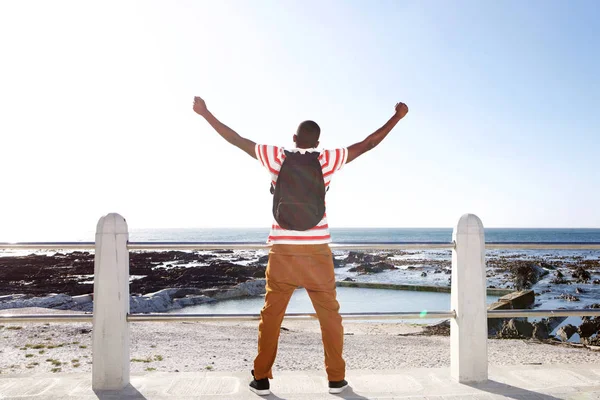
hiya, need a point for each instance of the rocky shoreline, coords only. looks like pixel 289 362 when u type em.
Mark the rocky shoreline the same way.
pixel 165 280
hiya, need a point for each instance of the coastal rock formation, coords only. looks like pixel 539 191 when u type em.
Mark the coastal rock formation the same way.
pixel 72 273
pixel 359 257
pixel 439 329
pixel 526 274
pixel 588 328
pixel 56 301
pixel 516 329
pixel 245 289
pixel 338 263
pixel 216 274
pixel 581 275
pixel 568 297
pixel 164 300
pixel 541 330
pixel 161 301
pixel 565 332
pixel 263 260
pixel 372 268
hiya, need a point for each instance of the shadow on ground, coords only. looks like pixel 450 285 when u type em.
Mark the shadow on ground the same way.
pixel 129 393
pixel 510 392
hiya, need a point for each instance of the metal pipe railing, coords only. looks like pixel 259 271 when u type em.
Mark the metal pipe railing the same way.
pixel 587 312
pixel 23 318
pixel 46 318
pixel 262 246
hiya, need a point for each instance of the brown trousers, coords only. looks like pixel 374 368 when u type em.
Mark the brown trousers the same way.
pixel 309 266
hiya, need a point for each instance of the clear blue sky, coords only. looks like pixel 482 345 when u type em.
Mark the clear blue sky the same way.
pixel 96 99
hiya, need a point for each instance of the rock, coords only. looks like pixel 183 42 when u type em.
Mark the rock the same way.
pixel 525 274
pixel 560 281
pixel 516 300
pixel 263 260
pixel 348 279
pixel 580 290
pixel 372 268
pixel 581 275
pixel 191 301
pixel 596 281
pixel 588 328
pixel 439 329
pixel 559 274
pixel 359 257
pixel 565 332
pixel 437 271
pixel 246 289
pixel 545 265
pixel 515 329
pixel 595 305
pixel 423 274
pixel 56 301
pixel 338 263
pixel 39 275
pixel 540 330
pixel 568 297
pixel 160 301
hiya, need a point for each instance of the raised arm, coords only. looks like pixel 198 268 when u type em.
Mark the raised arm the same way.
pixel 376 137
pixel 226 132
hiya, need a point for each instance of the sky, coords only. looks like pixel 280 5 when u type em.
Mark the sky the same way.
pixel 96 110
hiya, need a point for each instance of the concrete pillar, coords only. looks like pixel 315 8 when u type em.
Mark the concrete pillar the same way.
pixel 110 334
pixel 468 331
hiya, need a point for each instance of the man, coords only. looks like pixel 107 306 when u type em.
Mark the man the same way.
pixel 300 258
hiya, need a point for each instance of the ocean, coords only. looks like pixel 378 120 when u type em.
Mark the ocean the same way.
pixel 372 235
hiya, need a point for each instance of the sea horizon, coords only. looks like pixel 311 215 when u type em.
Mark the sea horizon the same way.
pixel 339 235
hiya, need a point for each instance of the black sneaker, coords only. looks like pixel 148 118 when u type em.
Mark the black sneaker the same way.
pixel 337 386
pixel 261 386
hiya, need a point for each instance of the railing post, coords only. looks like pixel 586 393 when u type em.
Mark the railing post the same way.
pixel 468 332
pixel 110 334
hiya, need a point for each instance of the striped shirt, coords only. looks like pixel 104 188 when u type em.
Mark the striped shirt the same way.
pixel 271 157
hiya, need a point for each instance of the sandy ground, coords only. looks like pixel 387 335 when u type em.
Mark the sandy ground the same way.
pixel 231 346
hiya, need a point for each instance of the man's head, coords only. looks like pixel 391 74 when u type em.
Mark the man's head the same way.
pixel 307 135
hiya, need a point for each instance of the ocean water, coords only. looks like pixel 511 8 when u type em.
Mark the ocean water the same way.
pixel 352 300
pixel 372 235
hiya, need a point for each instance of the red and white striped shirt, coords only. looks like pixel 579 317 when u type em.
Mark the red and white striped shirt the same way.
pixel 271 157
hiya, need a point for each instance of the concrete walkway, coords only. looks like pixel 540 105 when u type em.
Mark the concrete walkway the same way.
pixel 520 382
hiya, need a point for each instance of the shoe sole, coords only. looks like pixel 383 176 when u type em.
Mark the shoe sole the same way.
pixel 264 392
pixel 337 390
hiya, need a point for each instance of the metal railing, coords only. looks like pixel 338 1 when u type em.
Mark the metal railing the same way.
pixel 335 246
pixel 111 317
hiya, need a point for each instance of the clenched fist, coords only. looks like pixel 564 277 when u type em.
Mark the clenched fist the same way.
pixel 401 110
pixel 200 106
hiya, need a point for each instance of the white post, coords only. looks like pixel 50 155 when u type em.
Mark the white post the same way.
pixel 110 334
pixel 468 332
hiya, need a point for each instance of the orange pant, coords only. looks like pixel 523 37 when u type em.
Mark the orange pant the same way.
pixel 309 266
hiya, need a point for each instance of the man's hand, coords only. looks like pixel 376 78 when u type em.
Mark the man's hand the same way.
pixel 401 110
pixel 226 132
pixel 376 137
pixel 200 106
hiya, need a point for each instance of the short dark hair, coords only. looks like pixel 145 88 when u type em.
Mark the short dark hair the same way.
pixel 307 134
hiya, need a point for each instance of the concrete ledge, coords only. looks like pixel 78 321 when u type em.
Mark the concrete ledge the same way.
pixel 518 382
